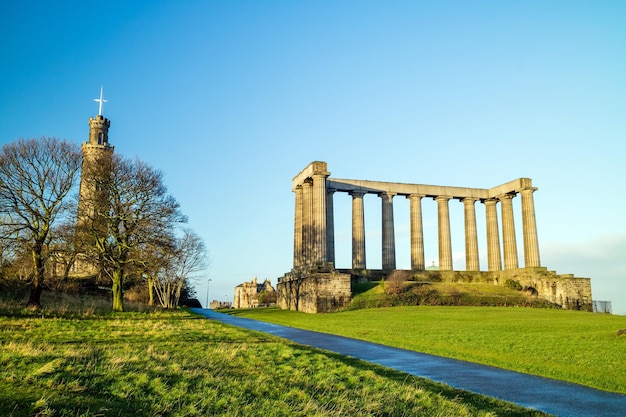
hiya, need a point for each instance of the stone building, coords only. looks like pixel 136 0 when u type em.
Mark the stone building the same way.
pixel 314 285
pixel 252 294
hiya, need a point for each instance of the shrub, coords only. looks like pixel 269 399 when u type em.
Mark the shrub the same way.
pixel 394 285
pixel 513 285
pixel 267 297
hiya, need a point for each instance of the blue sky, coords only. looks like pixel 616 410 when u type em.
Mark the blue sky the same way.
pixel 231 99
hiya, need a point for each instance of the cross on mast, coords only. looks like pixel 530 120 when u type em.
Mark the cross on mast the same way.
pixel 100 100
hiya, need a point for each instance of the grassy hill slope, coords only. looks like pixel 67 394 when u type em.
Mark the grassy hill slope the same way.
pixel 86 363
pixel 574 346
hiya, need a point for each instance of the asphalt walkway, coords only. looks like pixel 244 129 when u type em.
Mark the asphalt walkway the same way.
pixel 550 396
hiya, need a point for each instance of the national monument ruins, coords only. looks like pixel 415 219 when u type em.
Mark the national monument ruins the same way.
pixel 314 284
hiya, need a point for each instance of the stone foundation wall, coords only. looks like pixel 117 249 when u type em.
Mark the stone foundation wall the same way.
pixel 324 289
pixel 320 290
pixel 565 290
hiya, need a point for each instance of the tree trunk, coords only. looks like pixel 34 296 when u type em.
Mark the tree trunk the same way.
pixel 34 299
pixel 118 294
pixel 68 267
pixel 179 287
pixel 168 295
pixel 150 290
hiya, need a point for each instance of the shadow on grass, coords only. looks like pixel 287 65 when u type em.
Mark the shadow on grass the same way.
pixel 31 402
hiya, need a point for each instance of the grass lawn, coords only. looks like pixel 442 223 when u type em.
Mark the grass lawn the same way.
pixel 178 364
pixel 573 346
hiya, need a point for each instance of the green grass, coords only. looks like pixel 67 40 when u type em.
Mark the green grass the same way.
pixel 573 346
pixel 64 363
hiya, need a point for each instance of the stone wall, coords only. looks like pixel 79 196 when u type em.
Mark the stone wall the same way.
pixel 565 290
pixel 324 289
pixel 316 290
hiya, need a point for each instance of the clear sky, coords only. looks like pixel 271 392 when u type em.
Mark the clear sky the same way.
pixel 231 99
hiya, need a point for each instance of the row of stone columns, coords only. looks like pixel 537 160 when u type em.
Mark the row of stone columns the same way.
pixel 531 245
pixel 314 229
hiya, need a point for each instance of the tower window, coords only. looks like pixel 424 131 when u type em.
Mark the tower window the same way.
pixel 100 137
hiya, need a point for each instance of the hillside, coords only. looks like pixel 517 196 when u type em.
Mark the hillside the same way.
pixel 407 293
pixel 81 362
pixel 575 346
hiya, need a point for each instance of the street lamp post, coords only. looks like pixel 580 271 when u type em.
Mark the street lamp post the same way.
pixel 207 293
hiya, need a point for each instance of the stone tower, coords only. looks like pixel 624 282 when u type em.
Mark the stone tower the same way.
pixel 96 168
pixel 97 155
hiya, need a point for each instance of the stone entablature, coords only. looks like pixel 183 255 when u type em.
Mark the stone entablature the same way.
pixel 397 188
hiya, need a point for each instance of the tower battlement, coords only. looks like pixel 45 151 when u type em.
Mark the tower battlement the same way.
pixel 99 130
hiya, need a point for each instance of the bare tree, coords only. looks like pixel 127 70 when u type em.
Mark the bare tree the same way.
pixel 395 282
pixel 132 209
pixel 7 250
pixel 64 248
pixel 152 262
pixel 179 266
pixel 15 266
pixel 36 176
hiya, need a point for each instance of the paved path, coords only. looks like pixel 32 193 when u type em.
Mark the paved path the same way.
pixel 547 395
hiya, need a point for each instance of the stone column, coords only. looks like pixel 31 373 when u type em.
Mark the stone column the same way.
pixel 471 236
pixel 529 225
pixel 445 239
pixel 389 244
pixel 330 227
pixel 358 231
pixel 307 222
pixel 508 232
pixel 417 233
pixel 297 229
pixel 319 217
pixel 493 235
